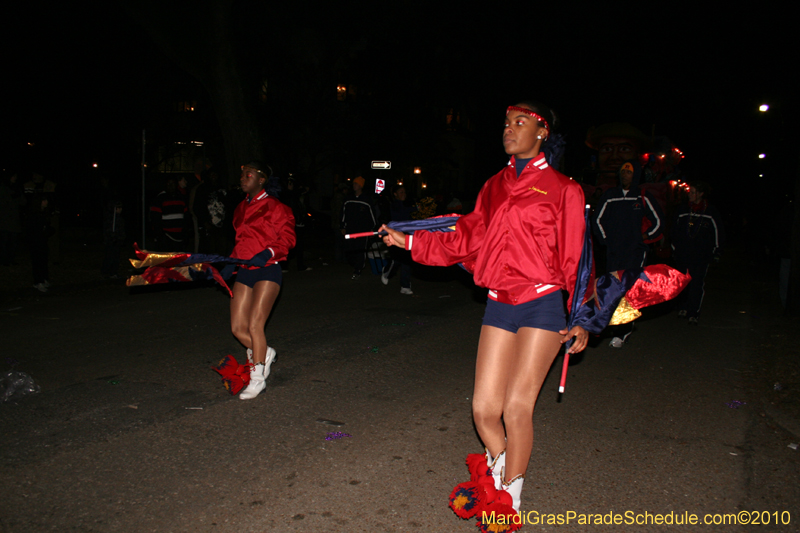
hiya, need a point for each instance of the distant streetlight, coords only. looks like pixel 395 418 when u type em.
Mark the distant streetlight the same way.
pixel 94 165
pixel 763 108
pixel 417 170
pixel 762 156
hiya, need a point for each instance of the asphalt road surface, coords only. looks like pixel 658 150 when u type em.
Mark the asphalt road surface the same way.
pixel 133 432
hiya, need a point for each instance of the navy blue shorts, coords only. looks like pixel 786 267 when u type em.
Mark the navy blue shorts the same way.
pixel 251 277
pixel 546 313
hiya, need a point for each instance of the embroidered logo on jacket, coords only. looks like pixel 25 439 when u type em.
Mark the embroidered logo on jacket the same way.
pixel 537 190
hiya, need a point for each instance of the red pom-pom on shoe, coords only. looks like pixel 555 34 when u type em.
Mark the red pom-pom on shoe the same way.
pixel 234 376
pixel 477 465
pixel 234 384
pixel 227 366
pixel 467 499
pixel 504 498
pixel 487 484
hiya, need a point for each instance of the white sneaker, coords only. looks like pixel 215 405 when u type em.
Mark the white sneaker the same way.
pixel 385 278
pixel 682 313
pixel 406 290
pixel 40 287
pixel 616 342
pixel 258 376
pixel 256 384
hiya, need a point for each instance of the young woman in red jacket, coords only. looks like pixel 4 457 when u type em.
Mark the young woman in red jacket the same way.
pixel 264 226
pixel 523 241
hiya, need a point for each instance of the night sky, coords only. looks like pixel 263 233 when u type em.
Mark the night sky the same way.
pixel 81 82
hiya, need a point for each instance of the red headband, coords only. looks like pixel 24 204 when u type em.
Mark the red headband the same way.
pixel 527 112
pixel 255 169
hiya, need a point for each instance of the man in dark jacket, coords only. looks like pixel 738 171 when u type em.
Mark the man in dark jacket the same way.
pixel 358 215
pixel 626 220
pixel 697 236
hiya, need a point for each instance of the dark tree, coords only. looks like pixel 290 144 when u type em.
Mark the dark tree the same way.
pixel 200 38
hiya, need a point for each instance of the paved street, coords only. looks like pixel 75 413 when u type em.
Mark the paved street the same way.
pixel 133 431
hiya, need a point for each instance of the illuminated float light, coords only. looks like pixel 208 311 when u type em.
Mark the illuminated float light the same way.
pixel 763 108
pixel 417 170
pixel 94 165
pixel 762 156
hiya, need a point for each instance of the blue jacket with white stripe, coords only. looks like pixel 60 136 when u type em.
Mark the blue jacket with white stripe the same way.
pixel 697 234
pixel 618 224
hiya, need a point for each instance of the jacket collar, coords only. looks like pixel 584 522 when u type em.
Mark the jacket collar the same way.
pixel 539 162
pixel 257 198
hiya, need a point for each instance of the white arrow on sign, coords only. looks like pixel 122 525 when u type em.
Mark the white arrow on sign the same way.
pixel 382 165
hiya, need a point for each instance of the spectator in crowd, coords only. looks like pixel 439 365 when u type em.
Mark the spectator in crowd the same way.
pixel 296 197
pixel 46 189
pixel 38 230
pixel 358 215
pixel 209 210
pixel 400 258
pixel 337 204
pixel 113 238
pixel 169 214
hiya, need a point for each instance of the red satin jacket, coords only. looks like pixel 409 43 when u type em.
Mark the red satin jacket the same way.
pixel 523 239
pixel 263 223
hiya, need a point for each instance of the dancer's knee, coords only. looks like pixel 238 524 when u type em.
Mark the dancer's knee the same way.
pixel 255 329
pixel 485 413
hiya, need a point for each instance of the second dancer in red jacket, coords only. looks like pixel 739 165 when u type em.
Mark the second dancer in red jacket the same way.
pixel 264 226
